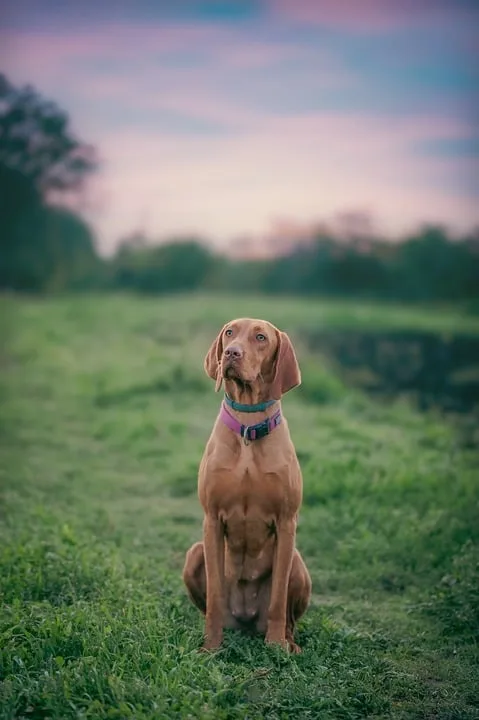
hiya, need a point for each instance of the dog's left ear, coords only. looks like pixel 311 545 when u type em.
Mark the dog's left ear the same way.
pixel 287 374
pixel 213 359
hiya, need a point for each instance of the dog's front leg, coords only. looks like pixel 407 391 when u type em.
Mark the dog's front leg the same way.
pixel 283 560
pixel 213 537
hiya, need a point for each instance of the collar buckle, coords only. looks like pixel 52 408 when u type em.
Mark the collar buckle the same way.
pixel 249 433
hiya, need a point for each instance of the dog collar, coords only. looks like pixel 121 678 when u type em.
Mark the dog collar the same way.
pixel 250 432
pixel 239 407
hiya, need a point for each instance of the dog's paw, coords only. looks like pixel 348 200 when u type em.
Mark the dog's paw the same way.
pixel 208 650
pixel 293 648
pixel 211 644
pixel 277 640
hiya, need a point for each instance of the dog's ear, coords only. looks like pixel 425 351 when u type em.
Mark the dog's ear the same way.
pixel 213 359
pixel 287 374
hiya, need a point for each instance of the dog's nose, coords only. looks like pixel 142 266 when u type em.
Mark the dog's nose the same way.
pixel 233 352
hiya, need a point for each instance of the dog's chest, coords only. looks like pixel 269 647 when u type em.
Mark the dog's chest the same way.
pixel 251 491
pixel 248 512
pixel 249 487
pixel 249 481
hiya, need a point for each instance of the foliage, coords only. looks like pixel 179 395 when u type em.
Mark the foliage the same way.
pixel 170 267
pixel 42 247
pixel 425 266
pixel 36 141
pixel 105 411
pixel 51 249
pixel 429 266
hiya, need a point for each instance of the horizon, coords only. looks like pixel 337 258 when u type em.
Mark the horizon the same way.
pixel 231 119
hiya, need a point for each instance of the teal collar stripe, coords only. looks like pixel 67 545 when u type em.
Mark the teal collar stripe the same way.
pixel 239 407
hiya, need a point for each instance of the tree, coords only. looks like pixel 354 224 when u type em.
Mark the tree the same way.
pixel 176 266
pixel 39 158
pixel 36 141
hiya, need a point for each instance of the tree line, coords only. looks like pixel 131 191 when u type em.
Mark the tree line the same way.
pixel 45 247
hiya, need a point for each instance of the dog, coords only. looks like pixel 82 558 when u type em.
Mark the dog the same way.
pixel 247 574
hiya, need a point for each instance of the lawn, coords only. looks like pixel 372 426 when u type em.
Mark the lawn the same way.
pixel 104 413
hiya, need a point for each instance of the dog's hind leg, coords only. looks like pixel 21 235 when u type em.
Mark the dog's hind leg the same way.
pixel 299 595
pixel 194 575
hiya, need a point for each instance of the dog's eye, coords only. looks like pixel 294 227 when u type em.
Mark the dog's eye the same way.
pixel 229 331
pixel 260 337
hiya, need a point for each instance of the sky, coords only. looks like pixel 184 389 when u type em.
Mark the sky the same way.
pixel 228 119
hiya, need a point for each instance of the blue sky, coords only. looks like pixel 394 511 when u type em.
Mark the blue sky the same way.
pixel 234 118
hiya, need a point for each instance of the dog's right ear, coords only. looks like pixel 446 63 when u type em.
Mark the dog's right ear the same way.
pixel 213 359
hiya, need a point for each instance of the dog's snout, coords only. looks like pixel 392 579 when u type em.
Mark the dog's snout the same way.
pixel 233 352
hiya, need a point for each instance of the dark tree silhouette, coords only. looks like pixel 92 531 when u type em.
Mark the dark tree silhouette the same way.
pixel 39 156
pixel 36 141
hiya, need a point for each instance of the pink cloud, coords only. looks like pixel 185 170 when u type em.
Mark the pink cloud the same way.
pixel 140 44
pixel 308 166
pixel 146 45
pixel 112 41
pixel 370 15
pixel 144 81
pixel 233 186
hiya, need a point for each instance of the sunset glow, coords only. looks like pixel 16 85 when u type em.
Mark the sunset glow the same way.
pixel 223 119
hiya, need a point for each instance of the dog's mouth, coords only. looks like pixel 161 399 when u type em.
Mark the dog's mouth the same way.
pixel 231 371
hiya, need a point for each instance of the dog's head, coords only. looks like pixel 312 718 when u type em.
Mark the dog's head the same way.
pixel 253 354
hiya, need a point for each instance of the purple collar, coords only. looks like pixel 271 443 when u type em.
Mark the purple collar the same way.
pixel 250 432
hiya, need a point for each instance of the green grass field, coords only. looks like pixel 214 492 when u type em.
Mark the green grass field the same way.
pixel 104 413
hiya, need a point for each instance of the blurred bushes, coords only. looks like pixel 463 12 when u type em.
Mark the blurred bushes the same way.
pixel 50 249
pixel 53 250
pixel 171 267
pixel 429 266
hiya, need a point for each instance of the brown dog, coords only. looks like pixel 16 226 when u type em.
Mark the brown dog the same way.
pixel 247 574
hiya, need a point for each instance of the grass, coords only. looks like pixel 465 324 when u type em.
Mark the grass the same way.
pixel 104 414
